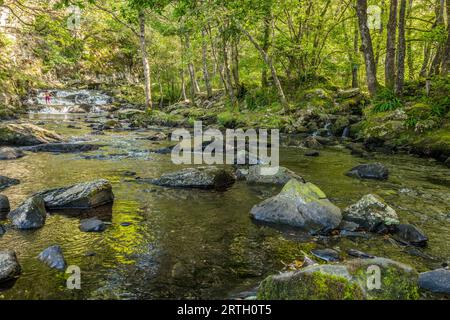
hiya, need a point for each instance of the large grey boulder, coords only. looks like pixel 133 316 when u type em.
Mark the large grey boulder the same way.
pixel 86 195
pixel 63 147
pixel 347 281
pixel 375 171
pixel 437 281
pixel 30 215
pixel 6 182
pixel 53 257
pixel 26 135
pixel 9 266
pixel 203 177
pixel 8 153
pixel 370 213
pixel 4 206
pixel 256 176
pixel 301 205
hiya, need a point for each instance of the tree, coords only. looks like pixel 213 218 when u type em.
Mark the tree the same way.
pixel 390 46
pixel 401 51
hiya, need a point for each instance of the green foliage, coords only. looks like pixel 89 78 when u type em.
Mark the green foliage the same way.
pixel 260 97
pixel 386 100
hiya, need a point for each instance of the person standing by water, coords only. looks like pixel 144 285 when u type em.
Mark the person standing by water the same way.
pixel 48 97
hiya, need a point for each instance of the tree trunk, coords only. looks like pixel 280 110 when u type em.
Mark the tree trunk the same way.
pixel 235 66
pixel 191 69
pixel 183 85
pixel 226 69
pixel 371 72
pixel 145 63
pixel 401 49
pixel 265 47
pixel 409 44
pixel 355 67
pixel 446 59
pixel 205 65
pixel 390 46
pixel 438 57
pixel 426 60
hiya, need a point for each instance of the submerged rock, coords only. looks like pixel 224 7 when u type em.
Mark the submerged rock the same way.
pixel 370 213
pixel 30 215
pixel 301 205
pixel 312 153
pixel 9 266
pixel 53 257
pixel 328 255
pixel 92 225
pixel 2 230
pixel 312 143
pixel 347 281
pixel 6 182
pixel 7 153
pixel 26 135
pixel 255 175
pixel 410 234
pixel 375 171
pixel 437 281
pixel 86 195
pixel 202 177
pixel 63 147
pixel 4 206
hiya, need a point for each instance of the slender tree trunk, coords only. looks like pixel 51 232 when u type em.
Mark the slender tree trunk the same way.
pixel 409 44
pixel 265 47
pixel 355 67
pixel 226 69
pixel 446 59
pixel 436 63
pixel 205 65
pixel 390 46
pixel 183 85
pixel 216 61
pixel 371 72
pixel 145 63
pixel 401 49
pixel 426 60
pixel 191 69
pixel 235 66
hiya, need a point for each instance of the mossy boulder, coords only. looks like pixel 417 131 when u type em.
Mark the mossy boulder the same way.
pixel 301 205
pixel 26 135
pixel 283 176
pixel 359 279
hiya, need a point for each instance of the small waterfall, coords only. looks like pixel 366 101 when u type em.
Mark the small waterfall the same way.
pixel 346 133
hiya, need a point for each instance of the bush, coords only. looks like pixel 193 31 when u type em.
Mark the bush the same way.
pixel 386 100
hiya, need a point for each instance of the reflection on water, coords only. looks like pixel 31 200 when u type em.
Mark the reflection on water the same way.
pixel 164 243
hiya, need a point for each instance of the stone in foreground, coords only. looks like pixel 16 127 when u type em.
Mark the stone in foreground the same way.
pixel 256 176
pixel 4 206
pixel 301 205
pixel 92 225
pixel 9 266
pixel 375 171
pixel 30 215
pixel 437 281
pixel 26 135
pixel 203 178
pixel 347 281
pixel 86 195
pixel 6 182
pixel 7 153
pixel 370 213
pixel 53 257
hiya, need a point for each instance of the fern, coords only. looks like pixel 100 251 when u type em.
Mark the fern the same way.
pixel 386 100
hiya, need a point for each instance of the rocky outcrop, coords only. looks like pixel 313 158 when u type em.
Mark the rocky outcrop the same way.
pixel 6 182
pixel 63 147
pixel 7 153
pixel 92 225
pixel 30 215
pixel 410 235
pixel 86 195
pixel 301 205
pixel 26 135
pixel 375 171
pixel 256 176
pixel 347 281
pixel 371 213
pixel 9 266
pixel 437 281
pixel 53 257
pixel 4 206
pixel 202 177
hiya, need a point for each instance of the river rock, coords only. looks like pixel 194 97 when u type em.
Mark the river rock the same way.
pixel 26 135
pixel 301 205
pixel 202 177
pixel 312 153
pixel 30 215
pixel 312 143
pixel 4 206
pixel 9 266
pixel 283 176
pixel 92 225
pixel 53 257
pixel 437 281
pixel 86 195
pixel 155 136
pixel 2 230
pixel 6 182
pixel 371 212
pixel 328 255
pixel 63 147
pixel 410 234
pixel 7 153
pixel 375 171
pixel 347 281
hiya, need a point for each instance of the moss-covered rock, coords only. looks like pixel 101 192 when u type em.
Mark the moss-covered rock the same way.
pixel 355 280
pixel 26 135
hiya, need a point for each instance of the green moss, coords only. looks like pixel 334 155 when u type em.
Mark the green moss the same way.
pixel 308 191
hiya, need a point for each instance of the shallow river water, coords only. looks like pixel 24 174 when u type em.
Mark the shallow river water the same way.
pixel 200 244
